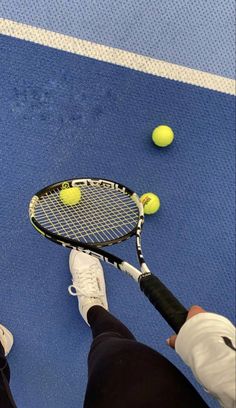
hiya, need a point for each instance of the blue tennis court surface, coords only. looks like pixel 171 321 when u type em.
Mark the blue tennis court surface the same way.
pixel 65 116
pixel 196 34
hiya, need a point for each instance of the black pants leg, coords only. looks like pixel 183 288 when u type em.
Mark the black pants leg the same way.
pixel 123 373
pixel 6 400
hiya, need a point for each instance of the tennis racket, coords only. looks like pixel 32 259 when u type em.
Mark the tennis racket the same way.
pixel 106 214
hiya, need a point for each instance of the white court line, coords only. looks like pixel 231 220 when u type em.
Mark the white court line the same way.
pixel 117 56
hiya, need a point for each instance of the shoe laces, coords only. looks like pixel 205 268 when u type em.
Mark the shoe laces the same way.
pixel 85 283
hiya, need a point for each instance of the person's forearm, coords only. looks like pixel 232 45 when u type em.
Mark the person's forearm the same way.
pixel 206 343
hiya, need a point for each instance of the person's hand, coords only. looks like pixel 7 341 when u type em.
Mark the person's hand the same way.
pixel 192 312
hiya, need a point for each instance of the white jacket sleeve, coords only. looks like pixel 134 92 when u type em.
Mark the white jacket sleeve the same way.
pixel 206 343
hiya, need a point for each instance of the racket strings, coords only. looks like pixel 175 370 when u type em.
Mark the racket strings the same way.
pixel 84 227
pixel 70 227
pixel 102 214
pixel 99 212
pixel 95 203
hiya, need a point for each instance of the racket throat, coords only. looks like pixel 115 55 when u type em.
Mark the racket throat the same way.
pixel 145 270
pixel 132 271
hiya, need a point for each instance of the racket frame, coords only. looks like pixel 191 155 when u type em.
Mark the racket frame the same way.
pixel 96 250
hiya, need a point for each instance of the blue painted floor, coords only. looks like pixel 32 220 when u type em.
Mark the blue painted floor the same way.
pixel 65 116
pixel 196 34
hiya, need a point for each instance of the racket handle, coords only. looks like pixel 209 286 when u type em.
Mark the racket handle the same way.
pixel 164 301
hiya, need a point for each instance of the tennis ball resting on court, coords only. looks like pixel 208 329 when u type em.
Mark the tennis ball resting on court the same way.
pixel 70 196
pixel 151 203
pixel 162 136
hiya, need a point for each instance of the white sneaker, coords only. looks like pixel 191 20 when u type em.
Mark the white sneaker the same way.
pixel 88 282
pixel 6 339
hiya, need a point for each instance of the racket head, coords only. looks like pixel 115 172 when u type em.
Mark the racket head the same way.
pixel 107 213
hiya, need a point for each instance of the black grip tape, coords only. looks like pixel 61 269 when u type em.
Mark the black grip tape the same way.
pixel 164 301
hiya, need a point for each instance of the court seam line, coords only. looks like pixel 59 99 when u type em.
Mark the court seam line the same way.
pixel 117 56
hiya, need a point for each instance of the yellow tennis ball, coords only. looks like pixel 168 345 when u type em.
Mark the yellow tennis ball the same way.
pixel 70 196
pixel 151 203
pixel 162 136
